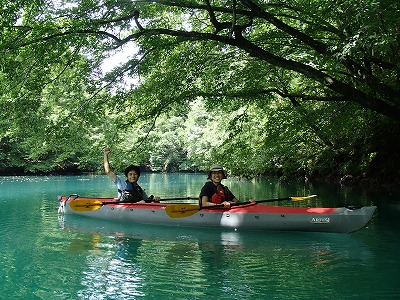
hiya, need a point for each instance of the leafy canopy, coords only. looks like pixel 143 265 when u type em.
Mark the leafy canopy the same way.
pixel 277 80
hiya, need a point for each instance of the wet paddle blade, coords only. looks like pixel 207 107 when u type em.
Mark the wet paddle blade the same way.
pixel 79 205
pixel 181 210
pixel 302 198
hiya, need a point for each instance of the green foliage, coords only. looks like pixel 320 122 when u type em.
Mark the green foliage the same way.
pixel 291 88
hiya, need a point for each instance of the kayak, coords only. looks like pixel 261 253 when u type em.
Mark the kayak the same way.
pixel 253 216
pixel 246 216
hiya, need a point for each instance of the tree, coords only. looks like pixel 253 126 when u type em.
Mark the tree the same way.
pixel 300 63
pixel 348 49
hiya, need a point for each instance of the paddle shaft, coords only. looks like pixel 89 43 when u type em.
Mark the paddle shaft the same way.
pixel 166 199
pixel 88 204
pixel 262 201
pixel 185 210
pixel 250 202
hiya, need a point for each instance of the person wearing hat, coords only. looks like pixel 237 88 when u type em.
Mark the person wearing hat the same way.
pixel 214 192
pixel 128 190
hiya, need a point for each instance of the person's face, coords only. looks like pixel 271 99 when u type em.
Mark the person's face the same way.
pixel 132 176
pixel 216 176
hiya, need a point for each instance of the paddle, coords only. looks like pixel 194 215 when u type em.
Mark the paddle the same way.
pixel 93 204
pixel 186 210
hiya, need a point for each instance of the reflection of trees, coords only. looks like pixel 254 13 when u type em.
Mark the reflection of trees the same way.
pixel 251 264
pixel 173 267
pixel 173 185
pixel 206 262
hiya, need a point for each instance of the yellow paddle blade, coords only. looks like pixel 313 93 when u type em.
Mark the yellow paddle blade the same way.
pixel 302 198
pixel 181 210
pixel 80 205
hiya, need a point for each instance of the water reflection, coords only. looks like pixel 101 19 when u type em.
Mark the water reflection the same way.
pixel 79 258
pixel 127 260
pixel 108 274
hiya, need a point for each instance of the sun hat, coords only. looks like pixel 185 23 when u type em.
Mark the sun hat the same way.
pixel 216 168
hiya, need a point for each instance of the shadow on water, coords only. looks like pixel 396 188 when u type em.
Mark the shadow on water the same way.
pixel 91 232
pixel 269 260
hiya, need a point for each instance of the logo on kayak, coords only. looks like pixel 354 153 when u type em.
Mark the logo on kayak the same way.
pixel 320 220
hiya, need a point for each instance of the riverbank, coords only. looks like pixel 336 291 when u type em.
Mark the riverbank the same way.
pixel 364 182
pixel 369 182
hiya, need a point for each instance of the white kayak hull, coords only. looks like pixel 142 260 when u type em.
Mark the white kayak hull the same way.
pixel 243 217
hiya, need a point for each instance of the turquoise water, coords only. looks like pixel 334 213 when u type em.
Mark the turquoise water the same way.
pixel 49 256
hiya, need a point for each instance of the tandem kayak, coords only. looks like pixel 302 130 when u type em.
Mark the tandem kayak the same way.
pixel 246 216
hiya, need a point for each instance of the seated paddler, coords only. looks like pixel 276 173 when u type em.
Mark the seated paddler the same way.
pixel 128 190
pixel 214 192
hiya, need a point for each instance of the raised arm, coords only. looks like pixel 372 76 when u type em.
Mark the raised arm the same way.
pixel 107 168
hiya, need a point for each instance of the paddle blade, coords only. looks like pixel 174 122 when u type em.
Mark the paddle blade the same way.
pixel 302 198
pixel 80 205
pixel 181 210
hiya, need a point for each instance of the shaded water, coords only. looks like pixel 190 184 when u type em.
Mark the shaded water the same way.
pixel 47 256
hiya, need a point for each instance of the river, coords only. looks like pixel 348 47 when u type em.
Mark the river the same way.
pixel 45 255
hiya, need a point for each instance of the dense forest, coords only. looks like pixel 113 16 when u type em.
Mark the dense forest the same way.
pixel 291 88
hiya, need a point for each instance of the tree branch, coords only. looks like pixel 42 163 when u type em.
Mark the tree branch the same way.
pixel 316 45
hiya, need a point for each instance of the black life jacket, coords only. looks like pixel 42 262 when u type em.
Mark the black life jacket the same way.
pixel 132 193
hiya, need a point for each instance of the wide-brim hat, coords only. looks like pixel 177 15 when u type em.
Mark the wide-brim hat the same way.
pixel 216 168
